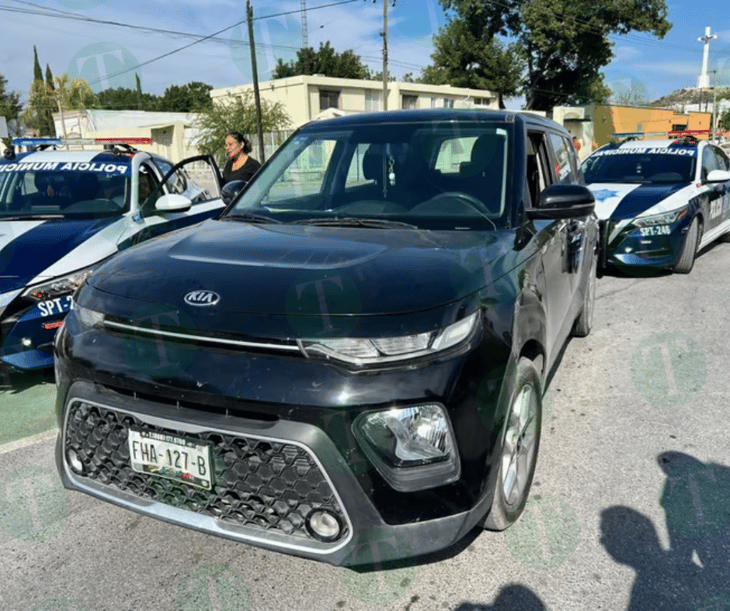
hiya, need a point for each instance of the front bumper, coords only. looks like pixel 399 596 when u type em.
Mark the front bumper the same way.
pixel 269 476
pixel 651 247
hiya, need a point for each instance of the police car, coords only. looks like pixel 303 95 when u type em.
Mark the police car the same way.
pixel 63 212
pixel 660 201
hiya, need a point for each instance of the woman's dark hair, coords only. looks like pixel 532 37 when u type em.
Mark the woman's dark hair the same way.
pixel 241 139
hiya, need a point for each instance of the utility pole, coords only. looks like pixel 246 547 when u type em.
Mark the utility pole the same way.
pixel 714 105
pixel 385 54
pixel 257 97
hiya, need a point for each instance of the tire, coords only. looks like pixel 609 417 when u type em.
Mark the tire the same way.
pixel 584 322
pixel 689 249
pixel 520 444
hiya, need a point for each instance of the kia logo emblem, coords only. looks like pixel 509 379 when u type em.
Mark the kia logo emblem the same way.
pixel 202 298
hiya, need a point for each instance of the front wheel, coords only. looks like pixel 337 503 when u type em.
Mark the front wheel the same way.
pixel 584 322
pixel 519 448
pixel 689 250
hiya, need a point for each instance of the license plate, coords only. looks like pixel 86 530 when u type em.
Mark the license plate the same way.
pixel 177 458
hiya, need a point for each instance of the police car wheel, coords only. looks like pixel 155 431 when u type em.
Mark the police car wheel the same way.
pixel 689 250
pixel 520 444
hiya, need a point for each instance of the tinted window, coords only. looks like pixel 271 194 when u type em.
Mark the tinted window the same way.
pixel 448 175
pixel 563 149
pixel 641 165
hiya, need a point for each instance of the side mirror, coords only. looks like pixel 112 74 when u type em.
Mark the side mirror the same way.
pixel 563 202
pixel 231 189
pixel 718 176
pixel 172 203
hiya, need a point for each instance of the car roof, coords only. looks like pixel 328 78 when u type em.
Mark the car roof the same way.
pixel 432 114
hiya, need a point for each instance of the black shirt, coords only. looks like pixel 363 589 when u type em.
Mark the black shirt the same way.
pixel 245 172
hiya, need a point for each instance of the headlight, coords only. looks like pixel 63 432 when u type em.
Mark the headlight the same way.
pixel 88 319
pixel 59 286
pixel 363 351
pixel 412 447
pixel 666 218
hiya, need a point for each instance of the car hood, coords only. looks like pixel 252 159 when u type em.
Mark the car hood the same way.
pixel 27 248
pixel 308 270
pixel 619 201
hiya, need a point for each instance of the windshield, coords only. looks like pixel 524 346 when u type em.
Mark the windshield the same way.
pixel 664 165
pixel 26 191
pixel 447 176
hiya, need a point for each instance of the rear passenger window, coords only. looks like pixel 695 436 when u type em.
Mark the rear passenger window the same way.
pixel 564 168
pixel 453 153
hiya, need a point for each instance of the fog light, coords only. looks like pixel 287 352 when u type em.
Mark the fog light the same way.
pixel 324 525
pixel 27 342
pixel 73 460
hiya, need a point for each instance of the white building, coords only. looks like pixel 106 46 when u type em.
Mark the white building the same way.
pixel 306 98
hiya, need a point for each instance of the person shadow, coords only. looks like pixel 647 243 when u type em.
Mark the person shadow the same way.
pixel 693 573
pixel 512 597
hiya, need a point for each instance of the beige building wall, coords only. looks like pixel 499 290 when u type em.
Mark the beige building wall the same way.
pixel 300 95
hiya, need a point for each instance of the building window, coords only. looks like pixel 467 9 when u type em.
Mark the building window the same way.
pixel 448 102
pixel 372 100
pixel 481 101
pixel 679 127
pixel 328 99
pixel 434 102
pixel 409 102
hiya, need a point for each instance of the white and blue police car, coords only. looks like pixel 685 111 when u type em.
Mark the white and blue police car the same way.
pixel 63 212
pixel 659 201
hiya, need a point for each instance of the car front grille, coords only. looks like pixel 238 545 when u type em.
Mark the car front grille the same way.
pixel 267 485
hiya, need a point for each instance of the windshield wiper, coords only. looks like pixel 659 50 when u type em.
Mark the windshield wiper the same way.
pixel 250 217
pixel 351 221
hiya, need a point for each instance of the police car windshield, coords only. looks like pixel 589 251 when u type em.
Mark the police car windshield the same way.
pixel 449 176
pixel 663 165
pixel 36 193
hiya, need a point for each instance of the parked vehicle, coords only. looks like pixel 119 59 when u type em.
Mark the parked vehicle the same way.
pixel 63 212
pixel 660 201
pixel 351 358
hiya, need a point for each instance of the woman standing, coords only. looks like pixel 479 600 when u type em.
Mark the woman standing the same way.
pixel 240 166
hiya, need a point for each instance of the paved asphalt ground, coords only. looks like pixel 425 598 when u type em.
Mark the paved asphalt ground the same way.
pixel 630 507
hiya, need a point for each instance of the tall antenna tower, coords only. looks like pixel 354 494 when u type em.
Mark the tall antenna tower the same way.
pixel 305 33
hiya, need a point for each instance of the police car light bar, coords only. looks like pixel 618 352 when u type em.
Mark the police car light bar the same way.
pixel 29 142
pixel 637 134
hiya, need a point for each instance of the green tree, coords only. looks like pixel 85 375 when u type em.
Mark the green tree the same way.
pixel 467 55
pixel 9 107
pixel 192 97
pixel 122 98
pixel 49 78
pixel 37 72
pixel 724 121
pixel 238 114
pixel 74 94
pixel 324 61
pixel 41 105
pixel 563 43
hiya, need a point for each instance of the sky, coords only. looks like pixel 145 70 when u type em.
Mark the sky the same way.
pixel 174 43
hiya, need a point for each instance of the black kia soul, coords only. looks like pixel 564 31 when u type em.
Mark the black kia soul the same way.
pixel 346 365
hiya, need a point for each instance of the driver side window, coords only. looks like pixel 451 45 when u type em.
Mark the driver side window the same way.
pixel 537 166
pixel 149 189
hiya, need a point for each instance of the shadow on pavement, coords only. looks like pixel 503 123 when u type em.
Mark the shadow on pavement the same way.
pixel 513 597
pixel 693 573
